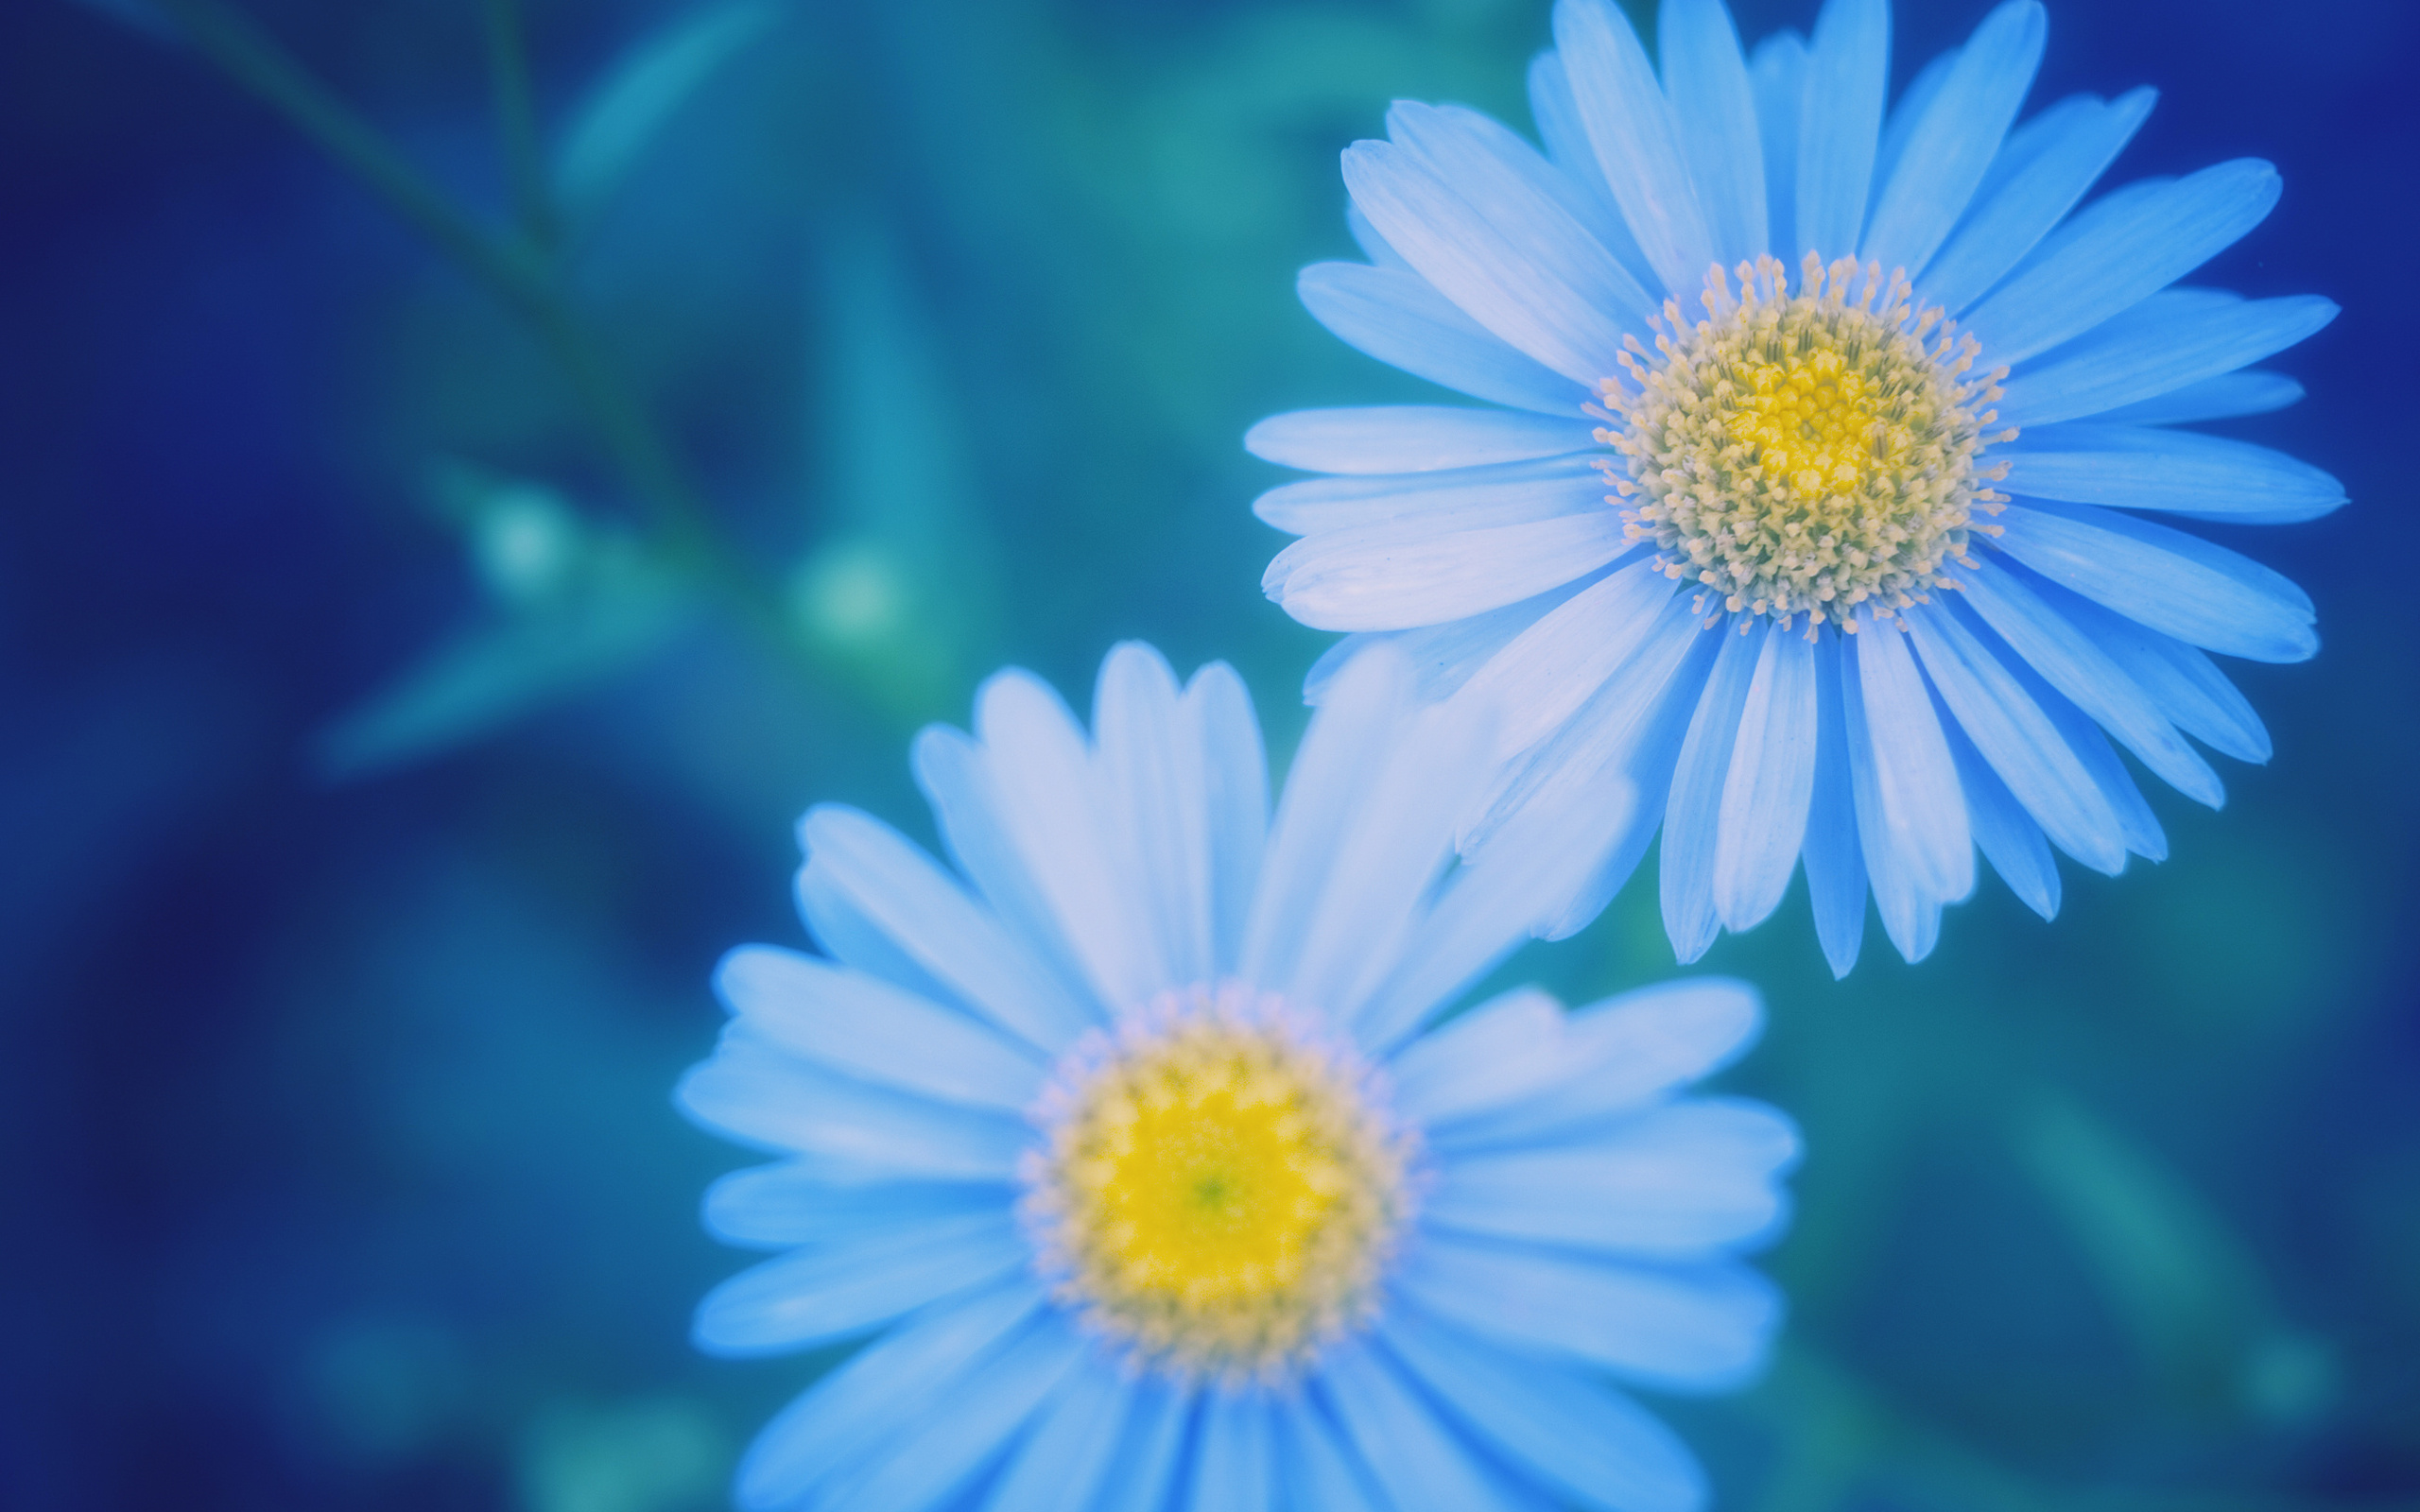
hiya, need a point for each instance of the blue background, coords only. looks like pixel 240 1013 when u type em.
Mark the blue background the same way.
pixel 338 1010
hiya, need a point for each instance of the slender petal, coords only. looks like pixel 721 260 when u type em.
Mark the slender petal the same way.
pixel 2126 259
pixel 1155 802
pixel 1631 125
pixel 2178 584
pixel 1412 439
pixel 2250 392
pixel 1951 143
pixel 2017 739
pixel 1908 902
pixel 1917 787
pixel 1422 1469
pixel 2203 477
pixel 1396 576
pixel 2157 356
pixel 2185 684
pixel 1769 787
pixel 813 1296
pixel 1778 71
pixel 963 1429
pixel 1396 318
pixel 1492 271
pixel 2071 146
pixel 1694 809
pixel 1685 1327
pixel 761 1096
pixel 1713 113
pixel 1568 147
pixel 2006 835
pixel 827 1200
pixel 1587 1443
pixel 1839 125
pixel 1065 1460
pixel 882 1385
pixel 1547 672
pixel 1143 1477
pixel 1443 657
pixel 1234 1458
pixel 1456 499
pixel 1900 121
pixel 1219 718
pixel 1835 855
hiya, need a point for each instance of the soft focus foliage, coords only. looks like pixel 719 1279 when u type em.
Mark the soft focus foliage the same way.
pixel 380 795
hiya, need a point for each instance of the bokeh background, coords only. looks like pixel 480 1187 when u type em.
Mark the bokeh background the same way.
pixel 382 769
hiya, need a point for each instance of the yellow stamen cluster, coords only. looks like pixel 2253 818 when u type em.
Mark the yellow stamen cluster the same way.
pixel 1814 454
pixel 1219 1190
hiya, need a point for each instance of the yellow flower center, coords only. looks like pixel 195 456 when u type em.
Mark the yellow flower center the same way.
pixel 1219 1190
pixel 1814 454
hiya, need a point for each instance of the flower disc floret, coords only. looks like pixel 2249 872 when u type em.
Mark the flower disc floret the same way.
pixel 1220 1187
pixel 1816 454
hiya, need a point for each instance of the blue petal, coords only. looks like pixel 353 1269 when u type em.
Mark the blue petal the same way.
pixel 1351 736
pixel 2203 477
pixel 955 1435
pixel 1319 1472
pixel 896 887
pixel 828 1201
pixel 765 1096
pixel 2185 684
pixel 1422 1466
pixel 866 1028
pixel 2177 584
pixel 2124 258
pixel 1839 125
pixel 956 777
pixel 2139 359
pixel 846 933
pixel 2250 392
pixel 1374 246
pixel 1676 1182
pixel 1605 1061
pixel 1512 185
pixel 1952 143
pixel 1234 1460
pixel 1143 1476
pixel 1503 1049
pixel 1900 121
pixel 858 1405
pixel 1911 908
pixel 1155 798
pixel 1064 1462
pixel 1052 809
pixel 2070 660
pixel 1769 784
pixel 2004 832
pixel 1694 807
pixel 1713 111
pixel 831 1292
pixel 1778 71
pixel 1685 1327
pixel 1443 657
pixel 2046 166
pixel 1493 270
pixel 1457 499
pixel 1220 719
pixel 1396 318
pixel 1372 906
pixel 2017 739
pixel 1835 855
pixel 1914 783
pixel 1412 439
pixel 1638 142
pixel 2144 836
pixel 1399 575
pixel 1581 1439
pixel 1544 674
pixel 1567 147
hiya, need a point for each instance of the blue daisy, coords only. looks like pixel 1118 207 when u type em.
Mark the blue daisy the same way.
pixel 1826 504
pixel 1133 1158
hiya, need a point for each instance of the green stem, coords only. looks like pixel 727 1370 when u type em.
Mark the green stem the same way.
pixel 511 268
pixel 516 116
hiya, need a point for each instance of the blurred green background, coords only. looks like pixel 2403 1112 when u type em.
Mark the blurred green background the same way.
pixel 390 748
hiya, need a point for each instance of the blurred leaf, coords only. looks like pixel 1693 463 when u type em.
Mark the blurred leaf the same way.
pixel 643 92
pixel 621 608
pixel 2181 1282
pixel 658 1455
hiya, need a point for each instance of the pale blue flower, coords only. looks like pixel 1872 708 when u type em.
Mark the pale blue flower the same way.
pixel 1130 1154
pixel 1625 294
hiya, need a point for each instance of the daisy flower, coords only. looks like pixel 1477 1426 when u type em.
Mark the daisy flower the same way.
pixel 1135 1158
pixel 1827 504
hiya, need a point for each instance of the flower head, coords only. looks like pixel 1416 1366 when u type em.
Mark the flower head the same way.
pixel 1132 1155
pixel 1814 512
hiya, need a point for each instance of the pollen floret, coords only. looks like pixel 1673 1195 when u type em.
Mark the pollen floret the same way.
pixel 1221 1185
pixel 1815 453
